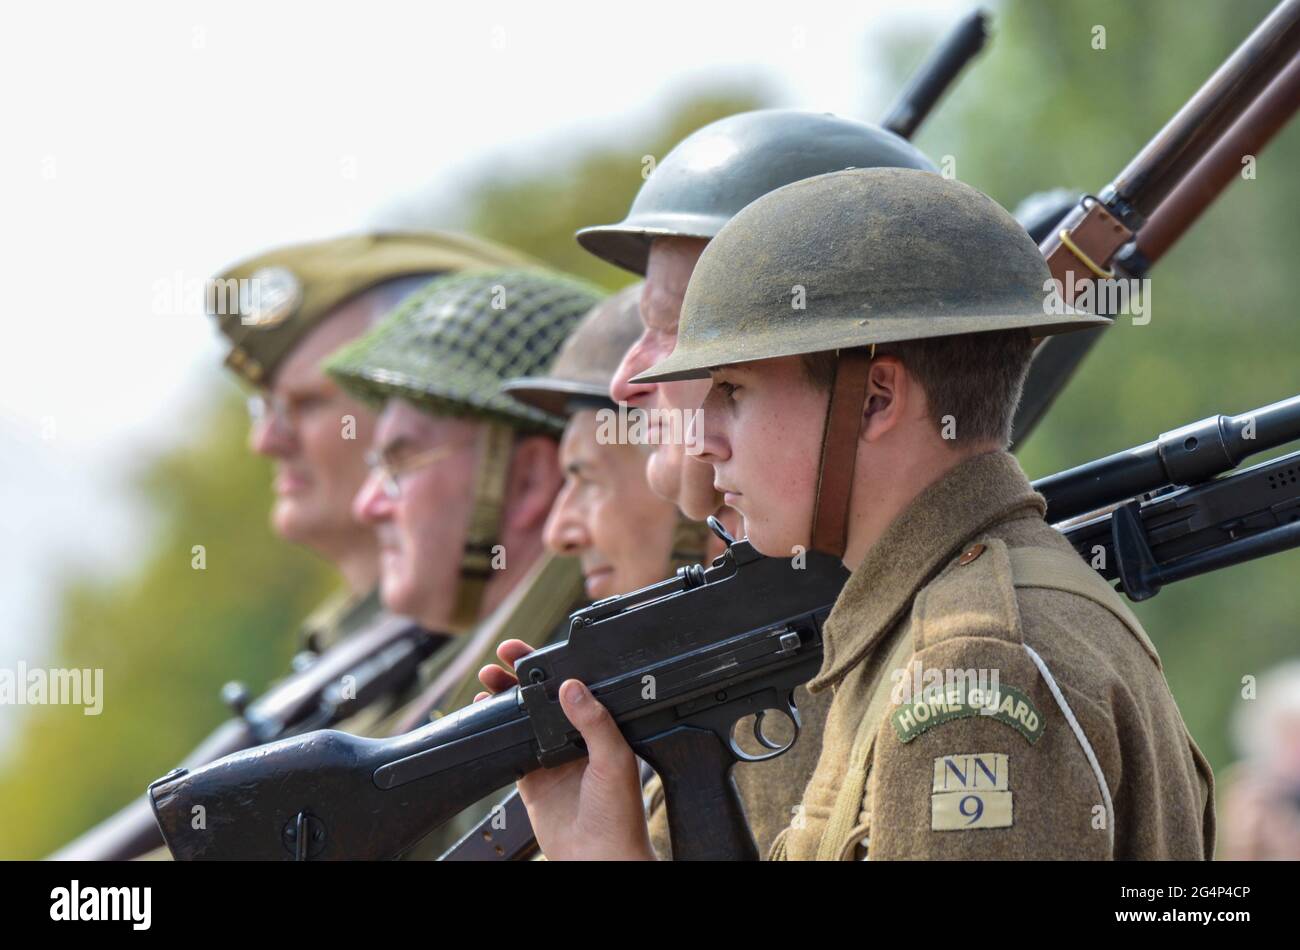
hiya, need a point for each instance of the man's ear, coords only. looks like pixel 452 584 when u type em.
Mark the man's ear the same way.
pixel 532 483
pixel 888 391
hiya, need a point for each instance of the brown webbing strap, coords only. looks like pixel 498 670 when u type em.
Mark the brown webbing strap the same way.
pixel 535 606
pixel 840 451
pixel 1093 238
pixel 495 446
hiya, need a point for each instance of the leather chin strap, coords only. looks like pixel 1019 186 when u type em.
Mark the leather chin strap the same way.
pixel 830 526
pixel 495 446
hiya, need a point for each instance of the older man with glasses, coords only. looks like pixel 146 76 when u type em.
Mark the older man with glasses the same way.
pixel 464 476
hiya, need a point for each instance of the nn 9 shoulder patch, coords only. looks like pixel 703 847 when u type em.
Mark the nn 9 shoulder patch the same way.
pixel 971 790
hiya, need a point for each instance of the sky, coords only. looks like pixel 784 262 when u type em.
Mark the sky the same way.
pixel 149 144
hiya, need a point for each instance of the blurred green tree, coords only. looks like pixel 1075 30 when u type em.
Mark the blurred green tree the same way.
pixel 167 636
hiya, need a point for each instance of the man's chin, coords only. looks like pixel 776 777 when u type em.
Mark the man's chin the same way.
pixel 766 544
pixel 663 473
pixel 290 522
pixel 684 480
pixel 397 596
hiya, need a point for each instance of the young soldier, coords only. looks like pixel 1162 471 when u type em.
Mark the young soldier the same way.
pixel 871 425
pixel 705 180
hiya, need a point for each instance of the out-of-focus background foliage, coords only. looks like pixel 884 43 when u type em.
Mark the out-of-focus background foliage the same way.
pixel 1041 108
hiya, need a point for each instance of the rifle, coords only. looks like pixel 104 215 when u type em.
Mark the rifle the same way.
pixel 1166 188
pixel 936 74
pixel 323 691
pixel 680 663
pixel 1156 532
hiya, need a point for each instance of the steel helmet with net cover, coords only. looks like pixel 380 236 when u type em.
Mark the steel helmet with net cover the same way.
pixel 582 372
pixel 852 259
pixel 719 169
pixel 447 349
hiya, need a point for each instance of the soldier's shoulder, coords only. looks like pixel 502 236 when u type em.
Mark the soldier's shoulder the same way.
pixel 1027 590
pixel 340 615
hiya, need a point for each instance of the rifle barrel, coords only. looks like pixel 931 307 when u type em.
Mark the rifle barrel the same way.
pixel 1102 228
pixel 1266 116
pixel 1147 180
pixel 936 74
pixel 1187 455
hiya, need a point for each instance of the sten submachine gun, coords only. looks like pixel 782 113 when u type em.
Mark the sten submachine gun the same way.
pixel 680 663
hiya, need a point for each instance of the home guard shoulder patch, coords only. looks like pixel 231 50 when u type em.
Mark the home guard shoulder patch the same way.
pixel 971 790
pixel 1006 704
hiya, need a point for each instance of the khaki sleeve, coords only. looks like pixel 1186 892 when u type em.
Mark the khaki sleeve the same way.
pixel 657 819
pixel 989 765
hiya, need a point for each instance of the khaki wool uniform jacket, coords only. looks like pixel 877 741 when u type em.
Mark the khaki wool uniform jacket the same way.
pixel 1077 748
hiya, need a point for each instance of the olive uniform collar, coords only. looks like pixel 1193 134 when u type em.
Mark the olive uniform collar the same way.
pixel 978 493
pixel 341 615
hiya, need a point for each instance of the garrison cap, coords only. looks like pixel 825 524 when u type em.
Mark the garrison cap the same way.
pixel 587 362
pixel 265 305
pixel 449 346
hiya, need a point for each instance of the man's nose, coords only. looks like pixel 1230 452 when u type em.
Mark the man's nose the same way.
pixel 566 531
pixel 636 360
pixel 271 436
pixel 708 435
pixel 372 504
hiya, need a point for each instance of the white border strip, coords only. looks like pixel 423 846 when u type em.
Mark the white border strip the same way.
pixel 1083 741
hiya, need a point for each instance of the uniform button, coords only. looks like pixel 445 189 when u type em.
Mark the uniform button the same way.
pixel 971 554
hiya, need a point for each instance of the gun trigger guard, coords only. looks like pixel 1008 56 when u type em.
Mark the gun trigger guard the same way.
pixel 759 737
pixel 777 748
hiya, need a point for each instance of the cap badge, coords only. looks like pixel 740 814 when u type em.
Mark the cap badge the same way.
pixel 268 297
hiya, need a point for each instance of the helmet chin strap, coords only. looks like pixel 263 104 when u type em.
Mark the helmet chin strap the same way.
pixel 830 527
pixel 495 444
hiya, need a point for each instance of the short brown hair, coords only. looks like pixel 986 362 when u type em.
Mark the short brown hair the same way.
pixel 975 378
